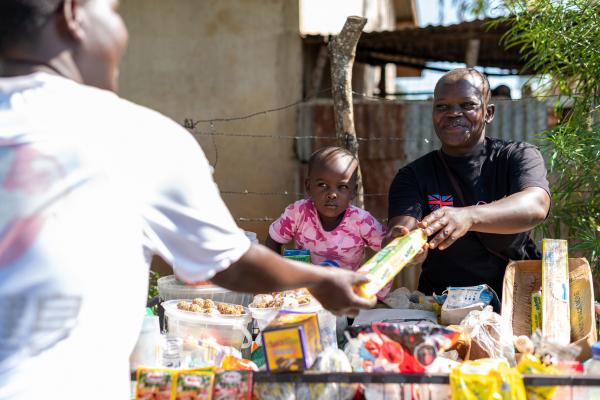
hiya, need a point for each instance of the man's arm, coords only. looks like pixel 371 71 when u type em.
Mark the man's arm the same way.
pixel 516 213
pixel 273 245
pixel 259 270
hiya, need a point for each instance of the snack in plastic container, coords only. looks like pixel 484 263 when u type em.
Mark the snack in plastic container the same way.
pixel 388 262
pixel 227 330
pixel 264 307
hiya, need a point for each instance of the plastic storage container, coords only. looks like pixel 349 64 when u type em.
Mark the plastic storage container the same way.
pixel 169 288
pixel 227 330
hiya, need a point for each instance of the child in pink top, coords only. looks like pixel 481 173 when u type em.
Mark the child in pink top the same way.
pixel 326 223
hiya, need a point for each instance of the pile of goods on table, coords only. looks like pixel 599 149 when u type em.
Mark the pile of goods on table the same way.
pixel 214 340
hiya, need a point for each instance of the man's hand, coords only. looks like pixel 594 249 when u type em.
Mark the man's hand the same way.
pixel 450 224
pixel 336 292
pixel 399 231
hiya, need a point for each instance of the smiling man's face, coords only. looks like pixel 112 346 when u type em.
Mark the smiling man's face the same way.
pixel 460 112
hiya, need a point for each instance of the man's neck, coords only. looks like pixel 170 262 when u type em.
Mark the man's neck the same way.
pixel 466 152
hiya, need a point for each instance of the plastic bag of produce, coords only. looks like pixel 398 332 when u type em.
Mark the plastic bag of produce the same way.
pixel 490 336
pixel 331 360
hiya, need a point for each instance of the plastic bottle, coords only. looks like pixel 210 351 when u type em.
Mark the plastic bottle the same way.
pixel 593 368
pixel 386 264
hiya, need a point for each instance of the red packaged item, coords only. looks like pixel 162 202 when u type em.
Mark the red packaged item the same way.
pixel 194 385
pixel 233 385
pixel 154 384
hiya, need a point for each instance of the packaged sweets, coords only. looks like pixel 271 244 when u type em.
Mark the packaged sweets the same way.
pixel 233 385
pixel 154 384
pixel 387 263
pixel 194 385
pixel 291 341
pixel 536 311
pixel 297 254
pixel 531 365
pixel 486 379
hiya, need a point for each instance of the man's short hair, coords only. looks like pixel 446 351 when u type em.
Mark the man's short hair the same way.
pixel 21 20
pixel 321 156
pixel 460 73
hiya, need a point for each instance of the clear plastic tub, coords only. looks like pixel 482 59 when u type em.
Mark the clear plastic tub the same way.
pixel 227 330
pixel 169 288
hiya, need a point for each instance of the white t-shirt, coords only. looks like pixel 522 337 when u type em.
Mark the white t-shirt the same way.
pixel 86 181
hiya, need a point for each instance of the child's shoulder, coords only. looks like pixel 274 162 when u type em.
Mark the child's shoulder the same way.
pixel 361 215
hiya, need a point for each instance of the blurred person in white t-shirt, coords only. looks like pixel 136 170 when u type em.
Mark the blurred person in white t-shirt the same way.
pixel 88 180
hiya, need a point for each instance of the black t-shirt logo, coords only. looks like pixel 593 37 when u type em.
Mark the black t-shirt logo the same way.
pixel 436 201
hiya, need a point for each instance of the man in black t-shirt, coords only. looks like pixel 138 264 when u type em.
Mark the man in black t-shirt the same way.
pixel 477 198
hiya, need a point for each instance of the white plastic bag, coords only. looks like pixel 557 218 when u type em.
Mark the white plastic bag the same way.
pixel 490 336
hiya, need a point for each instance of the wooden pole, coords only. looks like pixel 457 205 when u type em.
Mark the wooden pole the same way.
pixel 342 50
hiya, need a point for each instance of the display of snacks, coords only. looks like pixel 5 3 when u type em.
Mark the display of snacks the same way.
pixel 290 298
pixel 207 306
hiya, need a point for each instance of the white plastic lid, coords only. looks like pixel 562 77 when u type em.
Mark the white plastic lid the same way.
pixel 170 285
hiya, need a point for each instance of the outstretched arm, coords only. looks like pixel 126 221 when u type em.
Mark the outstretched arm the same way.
pixel 516 213
pixel 273 245
pixel 259 270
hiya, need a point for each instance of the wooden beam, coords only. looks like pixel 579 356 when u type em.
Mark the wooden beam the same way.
pixel 342 50
pixel 472 55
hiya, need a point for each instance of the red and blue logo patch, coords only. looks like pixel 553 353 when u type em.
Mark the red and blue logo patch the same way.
pixel 436 201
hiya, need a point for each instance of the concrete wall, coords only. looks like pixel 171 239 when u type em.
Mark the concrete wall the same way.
pixel 207 59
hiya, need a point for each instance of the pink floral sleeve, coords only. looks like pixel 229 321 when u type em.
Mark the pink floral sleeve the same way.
pixel 284 228
pixel 372 231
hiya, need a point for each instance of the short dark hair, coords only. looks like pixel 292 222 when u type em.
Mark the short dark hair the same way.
pixel 21 20
pixel 461 73
pixel 324 154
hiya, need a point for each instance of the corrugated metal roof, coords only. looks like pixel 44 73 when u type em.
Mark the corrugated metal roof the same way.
pixel 414 46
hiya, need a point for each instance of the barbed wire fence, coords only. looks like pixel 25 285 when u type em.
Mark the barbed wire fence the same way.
pixel 211 132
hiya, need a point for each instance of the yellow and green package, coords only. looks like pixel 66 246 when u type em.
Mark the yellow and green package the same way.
pixel 536 311
pixel 531 365
pixel 388 262
pixel 486 379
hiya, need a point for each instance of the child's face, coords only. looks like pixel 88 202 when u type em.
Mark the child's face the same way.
pixel 332 185
pixel 460 114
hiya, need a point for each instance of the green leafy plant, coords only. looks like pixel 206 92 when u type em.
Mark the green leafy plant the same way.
pixel 560 42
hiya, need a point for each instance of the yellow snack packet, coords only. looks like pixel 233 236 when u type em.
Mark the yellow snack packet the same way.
pixel 531 365
pixel 489 379
pixel 388 262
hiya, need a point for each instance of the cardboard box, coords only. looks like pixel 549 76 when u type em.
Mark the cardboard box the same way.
pixel 522 278
pixel 291 341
